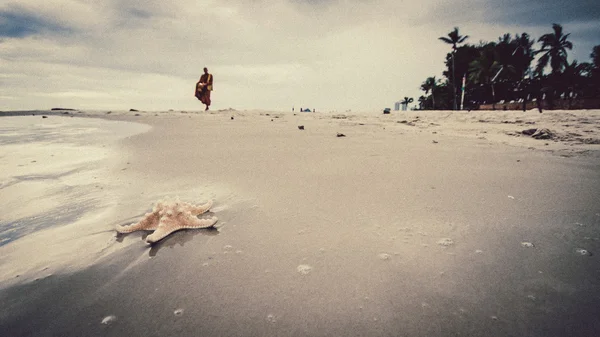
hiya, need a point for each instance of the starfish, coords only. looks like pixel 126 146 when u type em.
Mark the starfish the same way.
pixel 170 216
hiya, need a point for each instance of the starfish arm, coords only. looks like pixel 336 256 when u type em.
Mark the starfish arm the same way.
pixel 201 209
pixel 169 225
pixel 148 222
pixel 166 226
pixel 194 222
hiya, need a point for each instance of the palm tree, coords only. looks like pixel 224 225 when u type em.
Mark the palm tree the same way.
pixel 595 55
pixel 430 84
pixel 573 79
pixel 422 100
pixel 483 69
pixel 406 102
pixel 523 54
pixel 554 50
pixel 454 38
pixel 504 55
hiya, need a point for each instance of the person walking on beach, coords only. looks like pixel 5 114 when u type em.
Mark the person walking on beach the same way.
pixel 204 87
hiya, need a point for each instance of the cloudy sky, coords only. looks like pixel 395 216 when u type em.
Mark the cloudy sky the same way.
pixel 332 55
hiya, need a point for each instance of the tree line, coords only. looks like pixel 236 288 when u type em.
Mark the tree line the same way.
pixel 505 71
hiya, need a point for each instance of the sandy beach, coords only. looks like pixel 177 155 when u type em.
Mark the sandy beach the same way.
pixel 416 223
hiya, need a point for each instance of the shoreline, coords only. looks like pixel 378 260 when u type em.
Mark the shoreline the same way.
pixel 572 132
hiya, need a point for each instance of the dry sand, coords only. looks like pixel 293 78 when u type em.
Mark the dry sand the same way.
pixel 414 224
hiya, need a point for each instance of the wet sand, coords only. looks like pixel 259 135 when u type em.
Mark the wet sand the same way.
pixel 442 225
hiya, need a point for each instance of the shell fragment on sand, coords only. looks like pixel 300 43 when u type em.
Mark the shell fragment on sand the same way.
pixel 527 244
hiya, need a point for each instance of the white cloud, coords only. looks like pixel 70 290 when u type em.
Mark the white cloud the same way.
pixel 329 54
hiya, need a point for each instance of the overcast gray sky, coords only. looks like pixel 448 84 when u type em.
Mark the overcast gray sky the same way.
pixel 331 55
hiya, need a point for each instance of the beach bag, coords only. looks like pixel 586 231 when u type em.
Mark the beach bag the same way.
pixel 198 93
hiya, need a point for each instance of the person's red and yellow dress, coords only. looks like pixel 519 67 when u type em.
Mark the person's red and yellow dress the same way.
pixel 203 89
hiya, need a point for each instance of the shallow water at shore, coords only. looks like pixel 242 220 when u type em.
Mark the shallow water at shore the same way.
pixel 49 168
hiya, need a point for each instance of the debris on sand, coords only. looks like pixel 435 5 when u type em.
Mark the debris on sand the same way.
pixel 109 319
pixel 543 134
pixel 529 132
pixel 583 252
pixel 304 269
pixel 384 256
pixel 300 127
pixel 341 135
pixel 539 133
pixel 445 242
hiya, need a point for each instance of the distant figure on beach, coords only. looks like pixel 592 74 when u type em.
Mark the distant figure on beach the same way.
pixel 204 87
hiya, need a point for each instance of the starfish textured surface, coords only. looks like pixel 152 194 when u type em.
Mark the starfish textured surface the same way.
pixel 170 216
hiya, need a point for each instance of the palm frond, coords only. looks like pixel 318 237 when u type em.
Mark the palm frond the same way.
pixel 447 40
